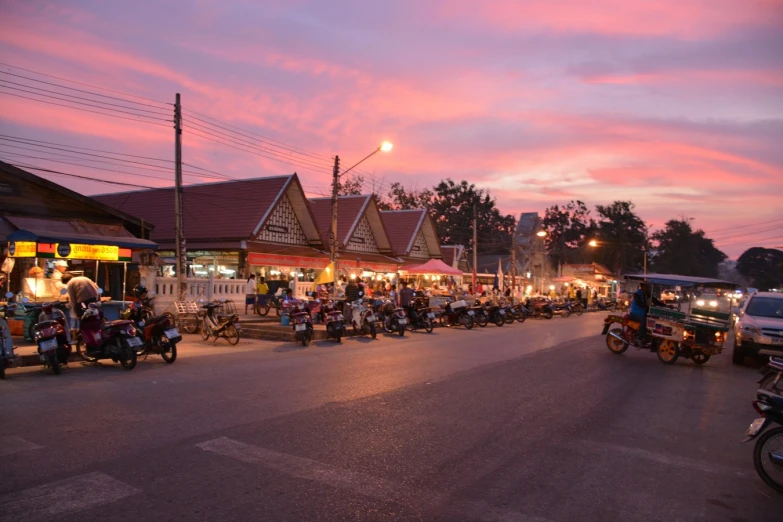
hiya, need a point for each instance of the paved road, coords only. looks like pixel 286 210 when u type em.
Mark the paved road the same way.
pixel 533 422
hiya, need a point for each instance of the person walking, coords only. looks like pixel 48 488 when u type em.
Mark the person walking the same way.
pixel 250 292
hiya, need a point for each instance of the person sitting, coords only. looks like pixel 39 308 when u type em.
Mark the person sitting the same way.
pixel 640 305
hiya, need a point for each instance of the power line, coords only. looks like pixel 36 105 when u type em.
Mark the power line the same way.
pixel 745 234
pixel 251 145
pixel 79 103
pixel 60 173
pixel 80 109
pixel 86 85
pixel 82 154
pixel 303 151
pixel 758 240
pixel 25 140
pixel 747 226
pixel 82 97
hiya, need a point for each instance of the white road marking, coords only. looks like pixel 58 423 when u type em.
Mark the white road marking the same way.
pixel 63 497
pixel 356 482
pixel 667 459
pixel 12 444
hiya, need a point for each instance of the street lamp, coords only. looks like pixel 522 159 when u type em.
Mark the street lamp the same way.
pixel 594 243
pixel 541 233
pixel 383 147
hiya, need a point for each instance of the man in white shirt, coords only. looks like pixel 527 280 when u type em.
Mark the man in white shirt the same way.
pixel 60 267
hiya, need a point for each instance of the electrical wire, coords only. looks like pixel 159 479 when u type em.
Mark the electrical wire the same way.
pixel 746 226
pixel 86 85
pixel 745 234
pixel 84 154
pixel 244 143
pixel 26 140
pixel 80 109
pixel 60 173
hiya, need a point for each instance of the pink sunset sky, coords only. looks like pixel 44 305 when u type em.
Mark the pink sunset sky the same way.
pixel 675 105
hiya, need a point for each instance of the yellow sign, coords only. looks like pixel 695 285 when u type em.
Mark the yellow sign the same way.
pixel 97 252
pixel 21 249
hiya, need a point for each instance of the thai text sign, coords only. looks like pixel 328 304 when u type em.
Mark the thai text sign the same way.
pixel 21 249
pixel 96 252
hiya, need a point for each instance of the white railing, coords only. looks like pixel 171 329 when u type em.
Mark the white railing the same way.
pixel 302 288
pixel 207 289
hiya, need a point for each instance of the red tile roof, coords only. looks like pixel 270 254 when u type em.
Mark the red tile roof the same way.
pixel 349 209
pixel 212 211
pixel 402 227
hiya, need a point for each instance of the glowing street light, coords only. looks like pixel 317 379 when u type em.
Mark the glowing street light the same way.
pixel 593 243
pixel 541 233
pixel 386 146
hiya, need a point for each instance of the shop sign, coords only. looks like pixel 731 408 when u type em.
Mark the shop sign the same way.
pixel 21 249
pixel 255 258
pixel 94 252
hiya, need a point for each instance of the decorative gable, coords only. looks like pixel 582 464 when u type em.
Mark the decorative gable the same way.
pixel 419 248
pixel 282 226
pixel 362 239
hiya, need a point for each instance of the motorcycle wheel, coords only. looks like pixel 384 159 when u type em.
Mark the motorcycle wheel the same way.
pixel 428 325
pixel 521 316
pixel 128 357
pixel 81 349
pixel 498 320
pixel 143 348
pixel 468 322
pixel 188 323
pixel 508 318
pixel 53 364
pixel 168 350
pixel 762 458
pixel 204 331
pixel 700 357
pixel 263 309
pixel 768 383
pixel 2 369
pixel 482 320
pixel 616 345
pixel 548 314
pixel 578 310
pixel 231 334
pixel 444 320
pixel 667 351
pixel 305 339
pixel 373 333
pixel 566 313
pixel 401 330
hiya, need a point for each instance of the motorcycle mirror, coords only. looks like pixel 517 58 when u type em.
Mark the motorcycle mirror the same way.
pixel 25 300
pixel 63 291
pixel 9 295
pixel 100 291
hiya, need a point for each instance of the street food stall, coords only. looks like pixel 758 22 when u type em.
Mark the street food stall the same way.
pixel 432 270
pixel 103 258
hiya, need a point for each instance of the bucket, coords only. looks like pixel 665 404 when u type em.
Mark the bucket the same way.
pixel 285 320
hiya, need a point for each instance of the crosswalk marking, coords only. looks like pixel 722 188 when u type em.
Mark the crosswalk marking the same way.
pixel 356 482
pixel 63 497
pixel 12 444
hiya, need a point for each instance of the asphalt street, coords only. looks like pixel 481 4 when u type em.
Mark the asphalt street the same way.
pixel 530 422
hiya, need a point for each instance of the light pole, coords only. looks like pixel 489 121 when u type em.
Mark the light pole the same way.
pixel 594 243
pixel 383 147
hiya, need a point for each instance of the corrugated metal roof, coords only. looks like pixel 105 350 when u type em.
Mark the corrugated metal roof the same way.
pixel 402 227
pixel 221 211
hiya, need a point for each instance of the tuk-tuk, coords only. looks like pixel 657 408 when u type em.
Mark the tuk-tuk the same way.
pixel 696 330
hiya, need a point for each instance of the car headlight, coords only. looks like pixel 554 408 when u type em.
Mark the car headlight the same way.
pixel 713 303
pixel 751 329
pixel 700 303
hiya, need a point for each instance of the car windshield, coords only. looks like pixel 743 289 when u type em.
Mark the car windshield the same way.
pixel 765 307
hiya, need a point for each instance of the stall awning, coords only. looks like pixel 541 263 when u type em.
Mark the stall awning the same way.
pixel 366 261
pixel 270 254
pixel 433 266
pixel 77 232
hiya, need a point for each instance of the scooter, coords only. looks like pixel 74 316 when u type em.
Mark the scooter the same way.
pixel 362 318
pixel 300 321
pixel 158 334
pixel 457 313
pixel 519 312
pixel 218 325
pixel 773 376
pixel 495 313
pixel 421 317
pixel 101 339
pixel 335 325
pixel 394 318
pixel 50 334
pixel 540 308
pixel 480 315
pixel 7 356
pixel 767 453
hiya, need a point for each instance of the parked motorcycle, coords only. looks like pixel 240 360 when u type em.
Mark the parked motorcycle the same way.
pixel 51 335
pixel 300 322
pixel 508 311
pixel 394 318
pixel 540 308
pixel 495 313
pixel 335 322
pixel 480 314
pixel 563 309
pixel 363 318
pixel 420 317
pixel 773 376
pixel 101 339
pixel 768 451
pixel 216 325
pixel 520 312
pixel 159 334
pixel 7 356
pixel 457 313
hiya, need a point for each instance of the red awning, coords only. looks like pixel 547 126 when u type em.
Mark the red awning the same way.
pixel 254 258
pixel 433 266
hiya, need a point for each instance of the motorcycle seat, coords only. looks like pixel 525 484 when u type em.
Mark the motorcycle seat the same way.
pixel 298 314
pixel 116 323
pixel 46 324
pixel 334 313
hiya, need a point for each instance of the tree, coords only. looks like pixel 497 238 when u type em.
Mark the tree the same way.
pixel 452 209
pixel 763 266
pixel 682 251
pixel 622 237
pixel 351 186
pixel 401 198
pixel 568 228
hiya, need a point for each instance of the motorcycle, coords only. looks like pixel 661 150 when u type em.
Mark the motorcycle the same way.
pixel 101 339
pixel 540 308
pixel 269 301
pixel 394 319
pixel 362 318
pixel 768 451
pixel 420 317
pixel 300 321
pixel 158 334
pixel 564 309
pixel 7 356
pixel 457 313
pixel 508 311
pixel 519 312
pixel 773 376
pixel 480 315
pixel 618 339
pixel 335 322
pixel 496 314
pixel 218 325
pixel 51 335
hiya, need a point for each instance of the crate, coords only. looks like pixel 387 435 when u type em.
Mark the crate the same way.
pixel 459 304
pixel 16 327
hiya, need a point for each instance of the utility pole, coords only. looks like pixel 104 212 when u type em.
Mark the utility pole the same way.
pixel 333 246
pixel 513 263
pixel 475 246
pixel 182 263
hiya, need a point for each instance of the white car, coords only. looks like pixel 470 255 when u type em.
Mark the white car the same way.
pixel 759 328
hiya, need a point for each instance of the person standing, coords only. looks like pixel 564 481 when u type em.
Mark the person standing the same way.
pixel 81 293
pixel 250 292
pixel 60 267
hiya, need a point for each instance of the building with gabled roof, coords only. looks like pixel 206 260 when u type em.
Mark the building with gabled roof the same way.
pixel 412 234
pixel 362 238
